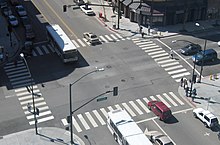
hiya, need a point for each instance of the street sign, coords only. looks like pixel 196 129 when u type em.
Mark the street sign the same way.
pixel 101 99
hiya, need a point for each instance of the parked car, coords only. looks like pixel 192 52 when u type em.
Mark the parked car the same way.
pixel 20 10
pixel 91 38
pixel 14 2
pixel 208 119
pixel 158 138
pixel 29 33
pixel 160 109
pixel 3 3
pixel 205 56
pixel 87 10
pixel 25 21
pixel 191 49
pixel 12 20
pixel 6 11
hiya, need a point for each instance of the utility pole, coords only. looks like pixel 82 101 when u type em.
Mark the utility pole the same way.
pixel 119 12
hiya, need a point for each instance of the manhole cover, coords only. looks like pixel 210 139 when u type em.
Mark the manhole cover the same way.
pixel 122 80
pixel 108 66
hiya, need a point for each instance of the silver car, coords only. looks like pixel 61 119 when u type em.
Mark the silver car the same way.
pixel 158 138
pixel 91 38
pixel 21 11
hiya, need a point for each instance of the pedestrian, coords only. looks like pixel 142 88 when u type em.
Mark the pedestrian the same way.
pixel 187 91
pixel 181 82
pixel 171 54
pixel 184 83
pixel 142 34
pixel 140 29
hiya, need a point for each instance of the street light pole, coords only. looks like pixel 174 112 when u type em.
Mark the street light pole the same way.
pixel 32 94
pixel 200 76
pixel 70 99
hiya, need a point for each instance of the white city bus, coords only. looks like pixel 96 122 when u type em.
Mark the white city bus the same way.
pixel 124 130
pixel 64 47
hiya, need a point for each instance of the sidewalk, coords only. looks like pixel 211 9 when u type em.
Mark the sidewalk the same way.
pixel 47 136
pixel 131 29
pixel 207 89
pixel 10 47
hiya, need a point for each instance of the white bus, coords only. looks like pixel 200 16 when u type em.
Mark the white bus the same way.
pixel 64 47
pixel 124 130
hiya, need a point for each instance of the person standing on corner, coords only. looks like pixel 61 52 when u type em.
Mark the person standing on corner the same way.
pixel 171 54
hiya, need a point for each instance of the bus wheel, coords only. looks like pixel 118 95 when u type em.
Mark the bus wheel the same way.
pixel 115 137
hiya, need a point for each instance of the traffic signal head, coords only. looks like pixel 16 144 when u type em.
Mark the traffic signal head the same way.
pixel 64 8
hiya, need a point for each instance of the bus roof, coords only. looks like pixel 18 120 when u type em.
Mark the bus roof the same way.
pixel 128 128
pixel 60 37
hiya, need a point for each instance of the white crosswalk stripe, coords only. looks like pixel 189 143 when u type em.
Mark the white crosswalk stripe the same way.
pixel 83 121
pixel 129 109
pixel 143 106
pixel 89 116
pixel 150 50
pixel 99 117
pixel 37 48
pixel 103 39
pixel 163 100
pixel 75 43
pixel 109 38
pixel 159 55
pixel 119 36
pixel 86 41
pixel 175 97
pixel 169 64
pixel 135 107
pixel 51 48
pixel 76 125
pixel 166 61
pixel 181 75
pixel 45 49
pixel 139 105
pixel 81 43
pixel 115 38
pixel 177 71
pixel 153 53
pixel 173 67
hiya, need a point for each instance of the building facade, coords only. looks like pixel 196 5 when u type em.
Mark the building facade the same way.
pixel 163 12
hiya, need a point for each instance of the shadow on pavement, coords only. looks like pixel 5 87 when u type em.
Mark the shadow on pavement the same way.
pixel 171 120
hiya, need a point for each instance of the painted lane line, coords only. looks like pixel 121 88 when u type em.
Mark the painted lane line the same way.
pixel 16 72
pixel 163 100
pixel 84 123
pixel 99 117
pixel 34 53
pixel 16 68
pixel 27 93
pixel 150 47
pixel 128 109
pixel 177 71
pixel 159 55
pixel 119 36
pixel 142 105
pixel 168 98
pixel 169 64
pixel 173 67
pixel 40 114
pixel 22 81
pixel 104 112
pixel 89 116
pixel 141 43
pixel 40 109
pixel 175 97
pixel 20 78
pixel 36 105
pixel 18 75
pixel 180 75
pixel 30 101
pixel 163 131
pixel 136 107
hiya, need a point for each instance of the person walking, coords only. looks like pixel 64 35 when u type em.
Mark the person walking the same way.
pixel 171 54
pixel 142 34
pixel 181 82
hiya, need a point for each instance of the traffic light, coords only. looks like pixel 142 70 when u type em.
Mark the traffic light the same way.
pixel 64 8
pixel 115 91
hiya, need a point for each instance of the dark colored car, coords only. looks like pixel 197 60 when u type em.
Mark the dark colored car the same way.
pixel 191 49
pixel 6 11
pixel 205 56
pixel 25 21
pixel 14 2
pixel 160 109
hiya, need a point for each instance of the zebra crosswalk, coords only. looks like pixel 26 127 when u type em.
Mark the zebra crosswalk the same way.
pixel 47 48
pixel 172 66
pixel 20 79
pixel 95 118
